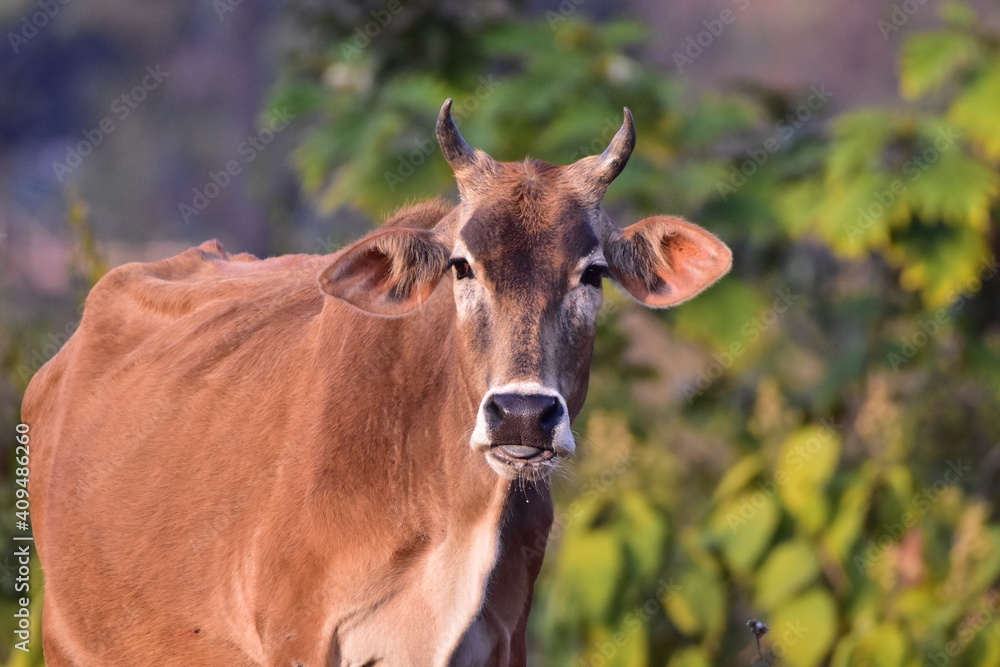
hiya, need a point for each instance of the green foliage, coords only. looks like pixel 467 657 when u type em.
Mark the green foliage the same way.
pixel 806 462
pixel 789 567
pixel 843 508
pixel 916 186
pixel 805 628
pixel 743 528
pixel 929 60
pixel 698 608
pixel 513 95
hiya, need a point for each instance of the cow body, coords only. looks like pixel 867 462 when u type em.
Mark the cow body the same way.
pixel 220 404
pixel 287 462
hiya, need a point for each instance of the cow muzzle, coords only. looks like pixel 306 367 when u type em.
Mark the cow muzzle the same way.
pixel 523 429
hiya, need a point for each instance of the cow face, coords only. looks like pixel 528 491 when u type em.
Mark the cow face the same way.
pixel 527 251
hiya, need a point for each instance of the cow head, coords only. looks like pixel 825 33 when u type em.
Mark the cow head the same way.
pixel 527 251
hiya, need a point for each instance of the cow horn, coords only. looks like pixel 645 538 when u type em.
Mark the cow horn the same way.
pixel 458 153
pixel 616 155
pixel 597 171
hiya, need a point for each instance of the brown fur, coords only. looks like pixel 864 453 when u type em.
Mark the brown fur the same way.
pixel 221 447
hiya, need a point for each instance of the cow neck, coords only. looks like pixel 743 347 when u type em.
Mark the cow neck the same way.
pixel 410 422
pixel 433 508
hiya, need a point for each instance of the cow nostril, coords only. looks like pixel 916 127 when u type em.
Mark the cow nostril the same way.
pixel 551 416
pixel 494 411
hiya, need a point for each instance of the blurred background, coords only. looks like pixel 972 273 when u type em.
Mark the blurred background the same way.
pixel 812 443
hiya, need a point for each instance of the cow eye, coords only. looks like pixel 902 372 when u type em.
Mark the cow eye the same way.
pixel 462 268
pixel 593 275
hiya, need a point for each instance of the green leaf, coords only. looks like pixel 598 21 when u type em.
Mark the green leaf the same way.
pixel 620 645
pixel 942 262
pixel 799 206
pixel 698 605
pixel 590 565
pixel 975 110
pixel 885 646
pixel 738 476
pixel 851 511
pixel 744 527
pixel 788 569
pixel 692 656
pixel 949 185
pixel 859 138
pixel 857 217
pixel 643 530
pixel 805 628
pixel 806 461
pixel 931 58
pixel 858 202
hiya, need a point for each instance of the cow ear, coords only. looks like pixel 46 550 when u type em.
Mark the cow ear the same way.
pixel 662 261
pixel 389 272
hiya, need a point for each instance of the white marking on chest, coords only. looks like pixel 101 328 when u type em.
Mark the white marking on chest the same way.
pixel 458 574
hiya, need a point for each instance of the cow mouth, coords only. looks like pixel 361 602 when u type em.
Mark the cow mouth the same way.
pixel 522 454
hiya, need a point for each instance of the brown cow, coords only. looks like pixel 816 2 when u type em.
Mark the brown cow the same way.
pixel 309 460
